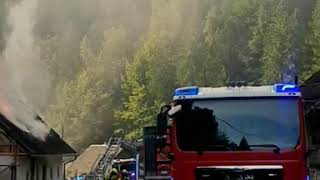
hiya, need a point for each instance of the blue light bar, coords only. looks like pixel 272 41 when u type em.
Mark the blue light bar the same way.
pixel 186 91
pixel 286 88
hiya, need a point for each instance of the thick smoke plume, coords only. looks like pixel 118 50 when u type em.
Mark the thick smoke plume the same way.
pixel 24 80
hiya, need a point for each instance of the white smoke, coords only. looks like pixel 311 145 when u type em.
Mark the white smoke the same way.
pixel 25 81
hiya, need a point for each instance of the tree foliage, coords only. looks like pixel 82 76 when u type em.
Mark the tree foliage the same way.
pixel 315 38
pixel 114 63
pixel 256 41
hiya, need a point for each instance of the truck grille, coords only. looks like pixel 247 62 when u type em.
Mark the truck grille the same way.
pixel 239 173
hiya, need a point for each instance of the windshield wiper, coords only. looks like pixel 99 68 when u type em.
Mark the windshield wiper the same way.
pixel 201 148
pixel 276 148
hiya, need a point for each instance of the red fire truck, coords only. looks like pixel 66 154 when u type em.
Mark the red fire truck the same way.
pixel 229 133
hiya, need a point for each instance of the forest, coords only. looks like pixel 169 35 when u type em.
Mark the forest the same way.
pixel 110 65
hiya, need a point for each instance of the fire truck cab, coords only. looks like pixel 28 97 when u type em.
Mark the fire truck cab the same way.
pixel 229 133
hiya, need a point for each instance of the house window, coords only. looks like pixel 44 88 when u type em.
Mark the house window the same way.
pixel 51 173
pixel 44 172
pixel 58 171
pixel 27 175
pixel 32 169
pixel 37 171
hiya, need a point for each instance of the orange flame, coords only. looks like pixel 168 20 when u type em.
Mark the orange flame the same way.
pixel 5 108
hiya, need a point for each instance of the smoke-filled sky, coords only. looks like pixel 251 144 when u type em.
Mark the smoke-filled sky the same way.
pixel 40 45
pixel 24 81
pixel 70 59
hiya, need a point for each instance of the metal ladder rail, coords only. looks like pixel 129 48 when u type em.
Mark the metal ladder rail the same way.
pixel 99 159
pixel 105 162
pixel 105 153
pixel 111 156
pixel 100 156
pixel 114 148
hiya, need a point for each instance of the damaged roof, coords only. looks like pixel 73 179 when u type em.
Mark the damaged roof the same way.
pixel 87 161
pixel 30 142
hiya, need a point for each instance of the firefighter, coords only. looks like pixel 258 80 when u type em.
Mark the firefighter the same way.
pixel 113 175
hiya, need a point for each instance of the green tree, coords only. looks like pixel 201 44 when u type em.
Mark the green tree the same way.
pixel 78 111
pixel 313 42
pixel 136 105
pixel 133 54
pixel 273 44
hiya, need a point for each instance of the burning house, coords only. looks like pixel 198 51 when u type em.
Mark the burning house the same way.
pixel 29 149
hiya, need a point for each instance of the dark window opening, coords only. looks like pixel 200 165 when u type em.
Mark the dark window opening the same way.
pixel 32 169
pixel 27 176
pixel 51 173
pixel 58 171
pixel 44 172
pixel 37 171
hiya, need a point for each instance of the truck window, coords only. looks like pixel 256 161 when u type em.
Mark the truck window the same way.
pixel 238 124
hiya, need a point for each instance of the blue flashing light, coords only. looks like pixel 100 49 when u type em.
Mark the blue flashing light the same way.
pixel 286 88
pixel 308 178
pixel 186 91
pixel 133 174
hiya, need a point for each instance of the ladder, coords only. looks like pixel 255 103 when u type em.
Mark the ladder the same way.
pixel 105 164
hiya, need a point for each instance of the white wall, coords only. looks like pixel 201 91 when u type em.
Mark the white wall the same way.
pixel 52 165
pixel 54 172
pixel 23 168
pixel 5 162
pixel 53 168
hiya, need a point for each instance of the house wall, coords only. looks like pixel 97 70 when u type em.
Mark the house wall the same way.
pixel 5 171
pixel 40 168
pixel 23 168
pixel 48 168
pixel 27 168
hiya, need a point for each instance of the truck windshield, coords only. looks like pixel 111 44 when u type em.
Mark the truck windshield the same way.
pixel 238 124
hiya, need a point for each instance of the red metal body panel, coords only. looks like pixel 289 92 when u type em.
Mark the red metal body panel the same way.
pixel 293 162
